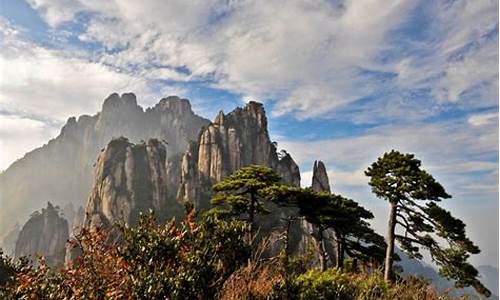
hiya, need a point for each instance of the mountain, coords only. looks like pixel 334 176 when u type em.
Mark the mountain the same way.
pixel 321 183
pixel 62 170
pixel 133 178
pixel 229 143
pixel 45 233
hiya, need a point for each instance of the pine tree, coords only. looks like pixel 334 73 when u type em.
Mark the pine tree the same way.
pixel 242 193
pixel 413 195
pixel 353 234
pixel 348 220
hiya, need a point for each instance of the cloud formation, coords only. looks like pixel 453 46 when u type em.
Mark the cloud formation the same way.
pixel 311 57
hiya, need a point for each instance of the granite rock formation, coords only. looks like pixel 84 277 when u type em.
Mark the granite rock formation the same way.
pixel 231 142
pixel 320 182
pixel 61 171
pixel 45 233
pixel 129 179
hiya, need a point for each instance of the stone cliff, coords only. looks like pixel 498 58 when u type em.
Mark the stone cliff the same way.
pixel 129 179
pixel 62 170
pixel 45 233
pixel 230 142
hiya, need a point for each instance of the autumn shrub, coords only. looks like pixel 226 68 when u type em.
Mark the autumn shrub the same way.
pixel 98 273
pixel 252 281
pixel 191 260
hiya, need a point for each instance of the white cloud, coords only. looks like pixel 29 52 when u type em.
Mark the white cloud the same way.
pixel 56 11
pixel 40 88
pixel 19 135
pixel 54 84
pixel 483 119
pixel 308 56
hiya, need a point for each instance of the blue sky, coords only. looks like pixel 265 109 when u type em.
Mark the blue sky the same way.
pixel 342 81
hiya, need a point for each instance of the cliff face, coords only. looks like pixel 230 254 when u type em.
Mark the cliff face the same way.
pixel 129 179
pixel 232 141
pixel 62 170
pixel 45 233
pixel 320 182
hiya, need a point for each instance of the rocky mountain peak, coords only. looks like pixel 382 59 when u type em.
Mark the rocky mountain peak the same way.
pixel 320 182
pixel 129 179
pixel 234 140
pixel 219 120
pixel 45 233
pixel 174 104
pixel 116 102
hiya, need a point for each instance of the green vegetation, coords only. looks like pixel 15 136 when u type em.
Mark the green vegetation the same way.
pixel 213 255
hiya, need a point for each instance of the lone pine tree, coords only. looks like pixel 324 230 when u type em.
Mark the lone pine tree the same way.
pixel 413 195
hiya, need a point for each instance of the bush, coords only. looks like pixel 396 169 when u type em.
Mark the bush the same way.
pixel 314 284
pixel 183 262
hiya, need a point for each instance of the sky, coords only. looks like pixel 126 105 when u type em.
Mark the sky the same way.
pixel 342 81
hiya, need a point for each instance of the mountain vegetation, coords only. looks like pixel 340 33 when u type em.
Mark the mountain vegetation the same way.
pixel 217 254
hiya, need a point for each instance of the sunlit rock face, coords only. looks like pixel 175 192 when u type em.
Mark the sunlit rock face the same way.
pixel 129 179
pixel 45 233
pixel 229 143
pixel 61 171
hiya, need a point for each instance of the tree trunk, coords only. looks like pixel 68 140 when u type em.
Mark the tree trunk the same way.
pixel 322 251
pixel 251 216
pixel 339 249
pixel 388 276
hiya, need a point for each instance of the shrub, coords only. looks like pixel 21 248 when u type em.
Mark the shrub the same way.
pixel 151 261
pixel 183 262
pixel 314 284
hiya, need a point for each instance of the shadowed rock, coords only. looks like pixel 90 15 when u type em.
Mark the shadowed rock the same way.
pixel 45 233
pixel 129 179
